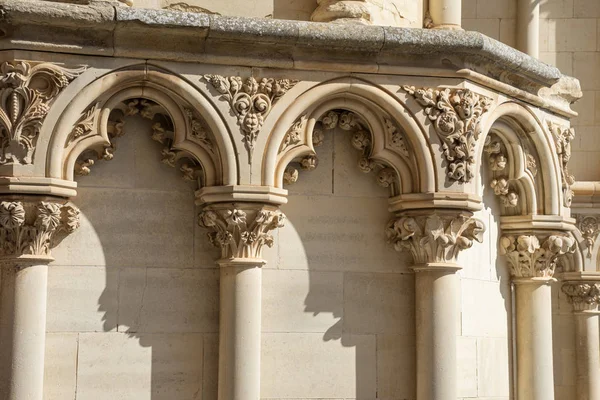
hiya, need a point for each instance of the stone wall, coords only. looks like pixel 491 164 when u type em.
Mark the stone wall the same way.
pixel 133 294
pixel 569 41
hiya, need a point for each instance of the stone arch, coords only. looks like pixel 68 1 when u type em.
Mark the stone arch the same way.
pixel 523 163
pixel 380 113
pixel 198 130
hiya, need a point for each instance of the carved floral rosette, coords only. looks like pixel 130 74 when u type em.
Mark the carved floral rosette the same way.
pixel 535 256
pixel 26 92
pixel 31 228
pixel 456 116
pixel 251 101
pixel 435 238
pixel 584 296
pixel 241 231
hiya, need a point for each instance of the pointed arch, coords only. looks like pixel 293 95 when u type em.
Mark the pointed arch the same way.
pixel 198 130
pixel 373 105
pixel 531 169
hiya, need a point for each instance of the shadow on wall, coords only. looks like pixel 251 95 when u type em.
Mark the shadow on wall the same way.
pixel 338 314
pixel 140 300
pixel 294 9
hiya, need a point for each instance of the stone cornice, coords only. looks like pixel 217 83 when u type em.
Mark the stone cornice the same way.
pixel 29 228
pixel 121 31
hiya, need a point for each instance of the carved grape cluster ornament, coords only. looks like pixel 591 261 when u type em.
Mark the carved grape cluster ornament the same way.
pixel 241 233
pixel 562 138
pixel 456 116
pixel 250 100
pixel 26 92
pixel 530 257
pixel 434 238
pixel 583 295
pixel 30 228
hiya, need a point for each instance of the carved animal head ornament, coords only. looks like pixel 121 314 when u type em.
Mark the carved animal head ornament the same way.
pixel 26 92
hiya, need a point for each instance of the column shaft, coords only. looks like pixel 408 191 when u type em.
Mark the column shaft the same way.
pixel 446 14
pixel 436 323
pixel 23 330
pixel 588 355
pixel 240 330
pixel 528 27
pixel 535 374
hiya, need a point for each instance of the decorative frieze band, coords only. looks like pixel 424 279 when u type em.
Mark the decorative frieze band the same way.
pixel 30 228
pixel 241 231
pixel 456 116
pixel 532 256
pixel 584 296
pixel 26 92
pixel 436 238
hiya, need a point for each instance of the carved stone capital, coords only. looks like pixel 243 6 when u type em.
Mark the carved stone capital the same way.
pixel 241 230
pixel 435 238
pixel 535 256
pixel 29 229
pixel 584 296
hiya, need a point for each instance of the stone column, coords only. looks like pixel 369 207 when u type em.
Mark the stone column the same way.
pixel 585 297
pixel 532 260
pixel 435 240
pixel 240 230
pixel 528 27
pixel 28 230
pixel 445 14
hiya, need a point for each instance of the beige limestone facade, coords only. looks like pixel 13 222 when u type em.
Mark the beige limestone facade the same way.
pixel 299 199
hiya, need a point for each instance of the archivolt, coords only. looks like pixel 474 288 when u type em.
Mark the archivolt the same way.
pixel 382 115
pixel 523 162
pixel 198 131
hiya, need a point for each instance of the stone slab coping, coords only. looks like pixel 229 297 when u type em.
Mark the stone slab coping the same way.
pixel 108 28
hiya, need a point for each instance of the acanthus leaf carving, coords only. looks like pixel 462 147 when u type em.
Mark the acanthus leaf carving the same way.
pixel 160 133
pixel 250 101
pixel 26 92
pixel 84 125
pixel 562 138
pixel 434 238
pixel 531 256
pixel 583 296
pixel 30 228
pixel 241 232
pixel 589 226
pixel 396 137
pixel 294 135
pixel 456 116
